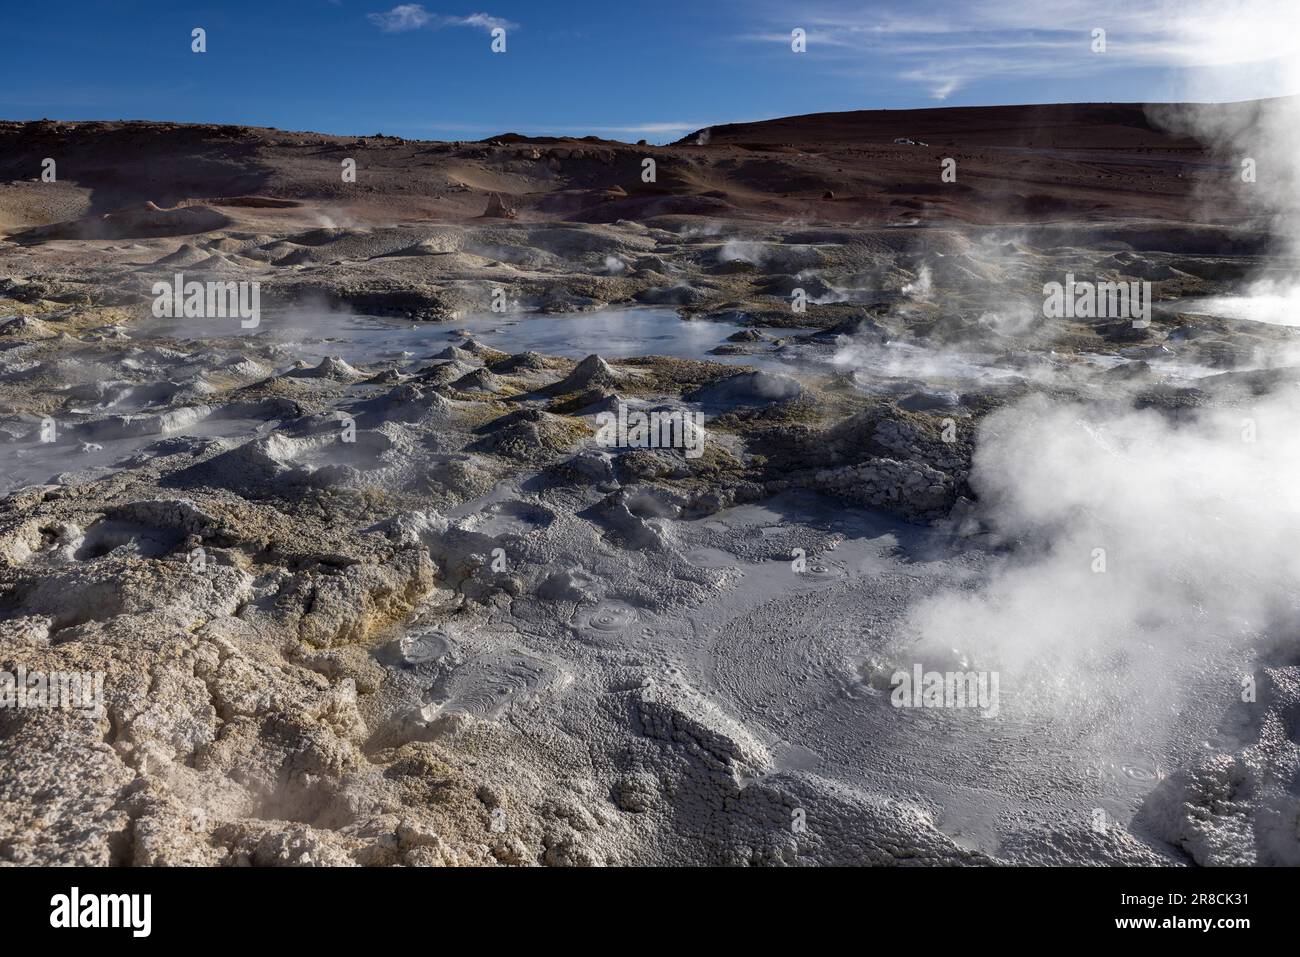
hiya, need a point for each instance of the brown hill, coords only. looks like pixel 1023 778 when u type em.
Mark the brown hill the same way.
pixel 1013 164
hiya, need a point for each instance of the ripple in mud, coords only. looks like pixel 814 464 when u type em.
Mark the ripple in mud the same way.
pixel 611 617
pixel 488 685
pixel 424 646
pixel 1142 772
pixel 818 573
pixel 1128 772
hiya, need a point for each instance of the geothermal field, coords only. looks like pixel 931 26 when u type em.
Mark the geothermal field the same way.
pixel 897 487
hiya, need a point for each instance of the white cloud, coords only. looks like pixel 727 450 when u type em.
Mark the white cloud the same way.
pixel 484 21
pixel 406 16
pixel 644 129
pixel 413 16
pixel 1221 49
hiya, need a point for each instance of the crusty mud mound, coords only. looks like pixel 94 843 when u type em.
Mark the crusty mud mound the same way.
pixel 146 221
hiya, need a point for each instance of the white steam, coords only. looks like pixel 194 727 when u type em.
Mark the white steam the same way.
pixel 1247 48
pixel 1134 536
pixel 1266 300
pixel 922 286
pixel 740 250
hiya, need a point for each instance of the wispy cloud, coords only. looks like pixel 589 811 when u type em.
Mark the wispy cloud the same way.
pixel 406 16
pixel 1222 48
pixel 413 16
pixel 640 129
pixel 484 21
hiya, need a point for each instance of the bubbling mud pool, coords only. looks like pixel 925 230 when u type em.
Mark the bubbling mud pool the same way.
pixel 624 332
pixel 121 416
pixel 613 333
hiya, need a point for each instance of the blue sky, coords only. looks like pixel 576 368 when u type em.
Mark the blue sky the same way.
pixel 620 68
